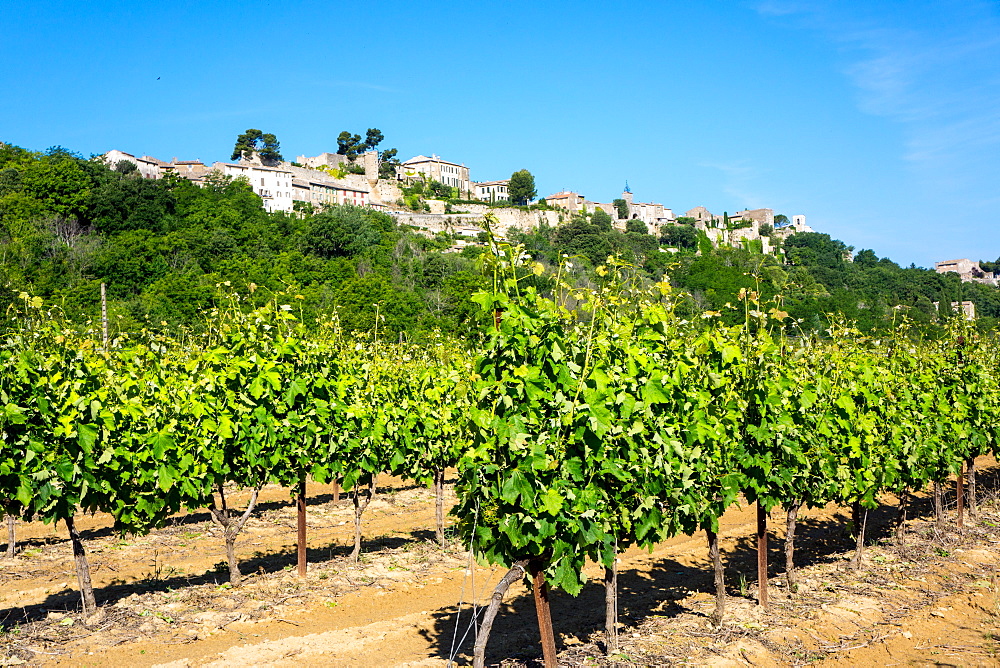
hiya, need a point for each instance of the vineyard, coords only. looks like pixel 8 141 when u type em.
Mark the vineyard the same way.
pixel 591 422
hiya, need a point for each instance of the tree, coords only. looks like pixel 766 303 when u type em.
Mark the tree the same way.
pixel 781 219
pixel 521 187
pixel 636 225
pixel 439 190
pixel 126 167
pixel 679 236
pixel 352 145
pixel 254 141
pixel 989 266
pixel 246 144
pixel 126 203
pixel 601 220
pixel 866 258
pixel 270 149
pixel 349 145
pixel 813 248
pixel 342 231
pixel 766 230
pixel 373 137
pixel 388 162
pixel 622 207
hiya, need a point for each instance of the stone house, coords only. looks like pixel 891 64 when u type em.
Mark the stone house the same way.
pixel 968 270
pixel 491 191
pixel 272 184
pixel 320 188
pixel 436 169
pixel 967 309
pixel 652 214
pixel 152 168
pixel 568 200
pixel 147 166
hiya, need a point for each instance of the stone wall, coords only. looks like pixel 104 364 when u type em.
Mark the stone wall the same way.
pixel 388 192
pixel 474 221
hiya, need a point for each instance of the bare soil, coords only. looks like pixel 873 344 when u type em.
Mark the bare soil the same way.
pixel 932 599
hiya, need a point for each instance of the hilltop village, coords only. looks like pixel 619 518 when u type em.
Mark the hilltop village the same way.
pixel 401 242
pixel 435 195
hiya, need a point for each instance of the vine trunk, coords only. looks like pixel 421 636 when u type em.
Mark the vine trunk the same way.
pixel 611 608
pixel 11 536
pixel 82 568
pixel 792 516
pixel 516 572
pixel 720 577
pixel 359 509
pixel 231 527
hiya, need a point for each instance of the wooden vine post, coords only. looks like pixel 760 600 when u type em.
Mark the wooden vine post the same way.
pixel 960 480
pixel 104 316
pixel 300 503
pixel 541 591
pixel 761 555
pixel 439 507
pixel 970 470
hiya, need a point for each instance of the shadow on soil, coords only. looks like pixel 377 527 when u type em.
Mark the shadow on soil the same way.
pixel 514 635
pixel 657 591
pixel 200 516
pixel 69 599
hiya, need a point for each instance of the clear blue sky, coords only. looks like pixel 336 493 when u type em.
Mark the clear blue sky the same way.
pixel 880 121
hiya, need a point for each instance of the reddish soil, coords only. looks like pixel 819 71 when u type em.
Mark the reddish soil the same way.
pixel 933 599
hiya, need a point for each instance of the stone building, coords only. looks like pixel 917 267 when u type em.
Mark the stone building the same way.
pixel 653 215
pixel 968 270
pixel 758 216
pixel 568 200
pixel 322 192
pixel 369 160
pixel 322 160
pixel 436 169
pixel 147 166
pixel 192 170
pixel 320 188
pixel 152 168
pixel 700 213
pixel 272 184
pixel 967 309
pixel 491 191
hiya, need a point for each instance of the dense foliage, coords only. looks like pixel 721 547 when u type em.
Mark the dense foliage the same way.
pixel 68 224
pixel 161 246
pixel 609 403
pixel 604 418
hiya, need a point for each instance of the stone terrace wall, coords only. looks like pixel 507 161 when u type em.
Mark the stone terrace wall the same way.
pixel 507 219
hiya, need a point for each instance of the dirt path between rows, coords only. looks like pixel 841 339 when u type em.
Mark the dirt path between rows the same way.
pixel 932 601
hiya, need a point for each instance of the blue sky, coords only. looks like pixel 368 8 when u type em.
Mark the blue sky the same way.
pixel 878 121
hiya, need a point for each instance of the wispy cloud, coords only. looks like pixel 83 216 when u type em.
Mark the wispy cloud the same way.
pixel 934 71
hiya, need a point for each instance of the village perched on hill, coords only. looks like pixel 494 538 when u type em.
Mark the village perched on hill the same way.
pixel 371 236
pixel 312 182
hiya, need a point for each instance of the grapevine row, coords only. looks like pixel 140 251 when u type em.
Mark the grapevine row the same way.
pixel 593 420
